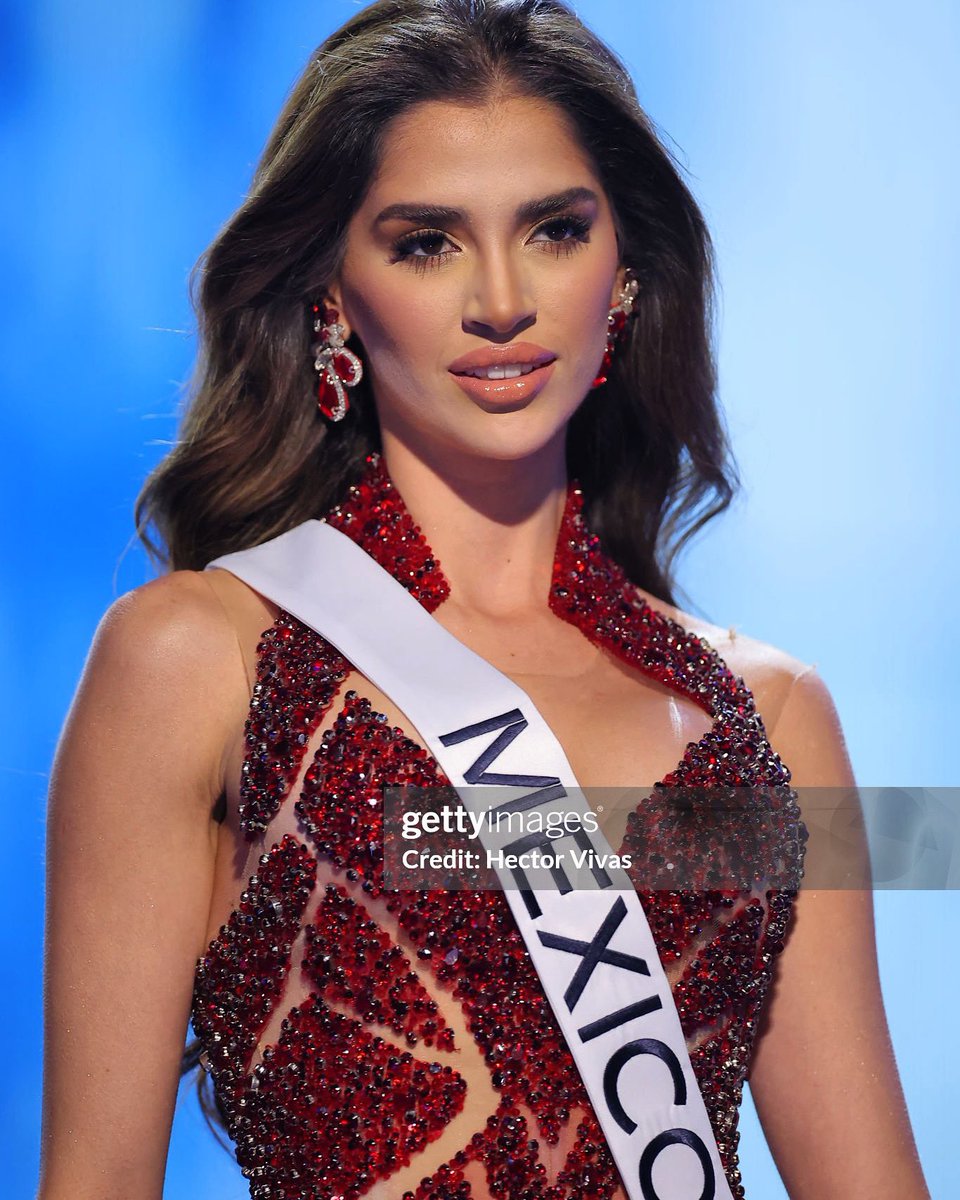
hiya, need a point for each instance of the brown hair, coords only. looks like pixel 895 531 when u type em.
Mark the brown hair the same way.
pixel 254 457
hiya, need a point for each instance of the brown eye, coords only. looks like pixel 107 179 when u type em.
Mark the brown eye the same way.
pixel 421 249
pixel 565 233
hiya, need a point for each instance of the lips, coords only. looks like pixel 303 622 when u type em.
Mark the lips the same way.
pixel 519 354
pixel 506 390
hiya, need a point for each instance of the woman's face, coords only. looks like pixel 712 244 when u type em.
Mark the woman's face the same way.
pixel 485 234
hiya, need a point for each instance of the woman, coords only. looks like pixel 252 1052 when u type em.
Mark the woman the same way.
pixel 523 433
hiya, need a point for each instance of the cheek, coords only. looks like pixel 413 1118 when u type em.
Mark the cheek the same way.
pixel 581 313
pixel 403 326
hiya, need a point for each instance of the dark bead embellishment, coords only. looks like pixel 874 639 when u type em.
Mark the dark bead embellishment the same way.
pixel 369 1071
pixel 338 1107
pixel 298 675
pixel 353 963
pixel 243 972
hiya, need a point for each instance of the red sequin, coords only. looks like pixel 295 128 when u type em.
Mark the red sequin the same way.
pixel 364 1075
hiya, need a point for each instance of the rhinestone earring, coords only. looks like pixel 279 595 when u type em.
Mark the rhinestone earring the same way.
pixel 338 367
pixel 616 322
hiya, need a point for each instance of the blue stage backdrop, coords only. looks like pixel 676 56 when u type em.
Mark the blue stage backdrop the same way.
pixel 820 140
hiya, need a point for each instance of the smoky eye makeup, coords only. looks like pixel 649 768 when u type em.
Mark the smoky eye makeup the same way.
pixel 574 223
pixel 566 233
pixel 427 240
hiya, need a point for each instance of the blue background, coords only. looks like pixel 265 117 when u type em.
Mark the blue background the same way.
pixel 820 139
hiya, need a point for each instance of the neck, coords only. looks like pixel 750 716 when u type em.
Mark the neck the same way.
pixel 492 524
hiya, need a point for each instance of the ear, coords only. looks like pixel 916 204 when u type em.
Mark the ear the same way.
pixel 619 283
pixel 333 295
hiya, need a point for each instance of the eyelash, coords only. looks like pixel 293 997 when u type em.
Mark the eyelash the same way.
pixel 403 247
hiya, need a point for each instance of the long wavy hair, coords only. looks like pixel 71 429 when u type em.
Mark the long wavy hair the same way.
pixel 254 458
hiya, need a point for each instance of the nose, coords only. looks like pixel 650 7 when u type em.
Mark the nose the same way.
pixel 498 304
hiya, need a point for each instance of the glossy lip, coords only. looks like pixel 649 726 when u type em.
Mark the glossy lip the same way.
pixel 492 356
pixel 505 395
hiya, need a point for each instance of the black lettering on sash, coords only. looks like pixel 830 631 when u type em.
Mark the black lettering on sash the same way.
pixel 542 841
pixel 615 958
pixel 595 951
pixel 595 1028
pixel 671 1137
pixel 512 724
pixel 544 795
pixel 620 1058
pixel 549 788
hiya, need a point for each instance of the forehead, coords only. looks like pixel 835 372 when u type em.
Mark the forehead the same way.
pixel 507 148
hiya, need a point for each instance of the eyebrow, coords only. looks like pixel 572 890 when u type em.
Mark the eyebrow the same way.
pixel 529 210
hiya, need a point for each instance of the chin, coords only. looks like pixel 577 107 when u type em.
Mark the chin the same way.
pixel 509 440
pixel 495 433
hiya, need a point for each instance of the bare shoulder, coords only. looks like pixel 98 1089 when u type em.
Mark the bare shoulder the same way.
pixel 249 613
pixel 165 657
pixel 770 673
pixel 192 618
pixel 795 704
pixel 176 616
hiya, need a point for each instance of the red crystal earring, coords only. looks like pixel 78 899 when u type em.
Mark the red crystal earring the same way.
pixel 338 367
pixel 616 322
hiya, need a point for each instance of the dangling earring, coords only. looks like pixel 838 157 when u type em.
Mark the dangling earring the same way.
pixel 338 367
pixel 616 322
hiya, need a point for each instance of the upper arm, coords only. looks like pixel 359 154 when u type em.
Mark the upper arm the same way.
pixel 823 1074
pixel 131 843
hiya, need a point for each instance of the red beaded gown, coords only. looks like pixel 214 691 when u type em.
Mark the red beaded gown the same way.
pixel 366 1042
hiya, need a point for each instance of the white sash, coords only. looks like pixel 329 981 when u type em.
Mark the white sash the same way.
pixel 593 949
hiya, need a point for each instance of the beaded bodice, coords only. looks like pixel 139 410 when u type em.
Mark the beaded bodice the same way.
pixel 364 1042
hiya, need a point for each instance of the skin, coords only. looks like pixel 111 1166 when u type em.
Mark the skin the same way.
pixel 487 485
pixel 141 874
